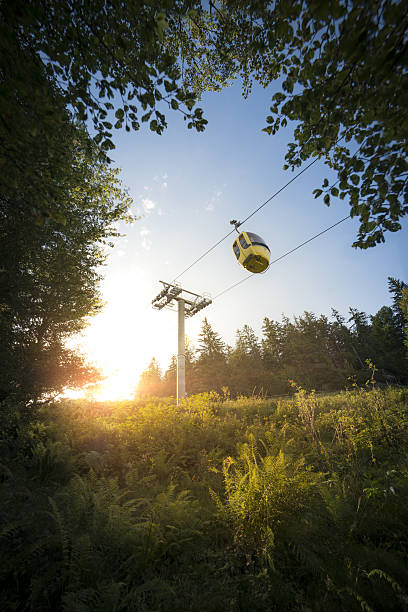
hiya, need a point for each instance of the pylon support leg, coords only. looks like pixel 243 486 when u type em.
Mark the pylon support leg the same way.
pixel 181 354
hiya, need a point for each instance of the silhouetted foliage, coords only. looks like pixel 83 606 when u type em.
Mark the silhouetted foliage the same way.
pixel 49 274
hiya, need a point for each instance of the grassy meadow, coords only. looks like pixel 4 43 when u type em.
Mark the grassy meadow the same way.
pixel 215 505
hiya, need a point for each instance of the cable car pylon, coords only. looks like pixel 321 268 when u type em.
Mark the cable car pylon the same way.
pixel 187 306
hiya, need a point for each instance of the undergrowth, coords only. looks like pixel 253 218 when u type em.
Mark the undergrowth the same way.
pixel 213 505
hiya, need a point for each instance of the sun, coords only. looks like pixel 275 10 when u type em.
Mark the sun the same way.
pixel 115 387
pixel 111 388
pixel 121 342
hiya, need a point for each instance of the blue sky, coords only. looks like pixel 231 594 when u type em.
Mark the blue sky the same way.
pixel 186 187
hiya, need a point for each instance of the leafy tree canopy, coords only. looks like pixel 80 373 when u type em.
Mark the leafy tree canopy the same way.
pixel 341 67
pixel 103 61
pixel 104 56
pixel 49 275
pixel 342 72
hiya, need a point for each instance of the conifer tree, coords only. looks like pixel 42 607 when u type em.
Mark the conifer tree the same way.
pixel 361 337
pixel 388 346
pixel 211 364
pixel 272 343
pixel 396 287
pixel 404 308
pixel 150 382
pixel 210 342
pixel 246 363
pixel 247 343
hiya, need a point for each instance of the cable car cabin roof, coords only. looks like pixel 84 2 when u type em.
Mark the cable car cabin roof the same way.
pixel 252 252
pixel 255 239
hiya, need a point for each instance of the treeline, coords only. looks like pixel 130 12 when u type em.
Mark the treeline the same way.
pixel 317 352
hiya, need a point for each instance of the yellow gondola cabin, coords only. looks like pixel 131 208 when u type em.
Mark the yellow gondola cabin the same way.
pixel 251 252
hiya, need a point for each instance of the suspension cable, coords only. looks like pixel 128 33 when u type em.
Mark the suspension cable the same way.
pixel 283 256
pixel 248 217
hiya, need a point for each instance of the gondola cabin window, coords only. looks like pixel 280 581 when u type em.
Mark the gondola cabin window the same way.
pixel 243 242
pixel 255 239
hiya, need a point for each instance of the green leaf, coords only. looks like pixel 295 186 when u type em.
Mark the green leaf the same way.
pixel 326 199
pixel 279 97
pixel 317 192
pixel 150 99
pixel 169 86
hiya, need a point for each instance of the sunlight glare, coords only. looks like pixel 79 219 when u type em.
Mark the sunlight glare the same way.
pixel 125 336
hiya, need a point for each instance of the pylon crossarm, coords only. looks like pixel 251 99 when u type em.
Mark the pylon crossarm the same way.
pixel 172 292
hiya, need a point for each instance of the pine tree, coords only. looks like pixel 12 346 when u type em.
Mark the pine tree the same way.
pixel 211 344
pixel 272 343
pixel 388 345
pixel 248 344
pixel 150 382
pixel 246 363
pixel 396 287
pixel 361 337
pixel 211 366
pixel 404 308
pixel 309 354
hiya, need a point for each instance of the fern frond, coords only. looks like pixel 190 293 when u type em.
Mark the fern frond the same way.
pixel 381 574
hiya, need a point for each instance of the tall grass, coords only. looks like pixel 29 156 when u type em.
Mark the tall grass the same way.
pixel 253 504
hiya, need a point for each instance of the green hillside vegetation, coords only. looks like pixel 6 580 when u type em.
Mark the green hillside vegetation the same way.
pixel 216 504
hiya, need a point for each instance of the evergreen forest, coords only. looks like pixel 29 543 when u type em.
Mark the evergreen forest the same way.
pixel 319 353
